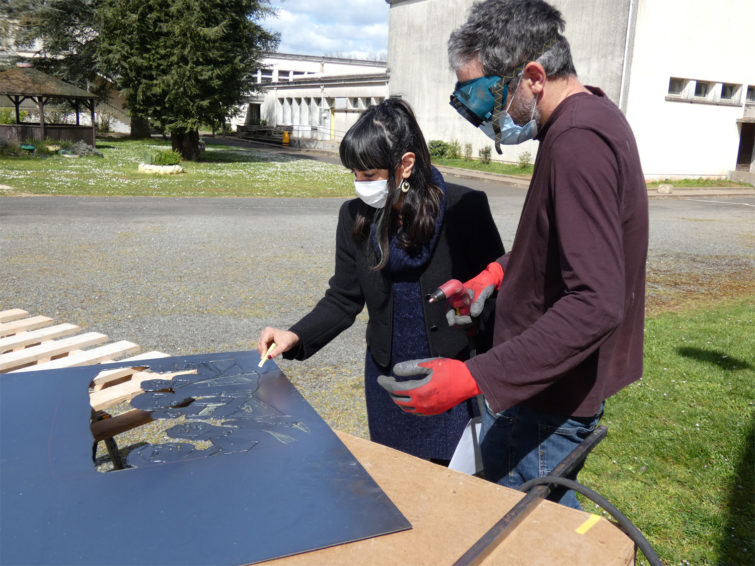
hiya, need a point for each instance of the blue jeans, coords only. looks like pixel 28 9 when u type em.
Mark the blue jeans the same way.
pixel 521 443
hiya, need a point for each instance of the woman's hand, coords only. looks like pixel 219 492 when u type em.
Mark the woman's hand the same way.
pixel 284 341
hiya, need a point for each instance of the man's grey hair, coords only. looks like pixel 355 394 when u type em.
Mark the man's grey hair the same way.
pixel 507 34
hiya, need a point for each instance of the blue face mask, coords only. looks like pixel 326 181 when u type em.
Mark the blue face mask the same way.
pixel 509 132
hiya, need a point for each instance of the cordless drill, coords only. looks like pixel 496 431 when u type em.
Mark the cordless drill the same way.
pixel 458 299
pixel 455 294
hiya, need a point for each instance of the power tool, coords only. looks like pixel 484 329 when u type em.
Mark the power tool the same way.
pixel 455 294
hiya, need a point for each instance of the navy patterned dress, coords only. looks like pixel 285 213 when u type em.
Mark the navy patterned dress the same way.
pixel 432 437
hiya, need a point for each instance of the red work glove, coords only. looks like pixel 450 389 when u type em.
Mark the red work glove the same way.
pixel 445 384
pixel 480 288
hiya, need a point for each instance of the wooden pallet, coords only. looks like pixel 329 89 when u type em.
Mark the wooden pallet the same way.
pixel 31 343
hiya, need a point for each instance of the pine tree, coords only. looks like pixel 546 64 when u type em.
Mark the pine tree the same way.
pixel 183 63
pixel 67 30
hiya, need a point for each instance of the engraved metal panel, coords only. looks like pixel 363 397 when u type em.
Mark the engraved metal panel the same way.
pixel 274 480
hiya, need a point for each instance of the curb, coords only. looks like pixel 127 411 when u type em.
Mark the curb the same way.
pixel 520 182
pixel 704 192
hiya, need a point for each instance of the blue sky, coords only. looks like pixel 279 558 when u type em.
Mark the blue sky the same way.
pixel 344 28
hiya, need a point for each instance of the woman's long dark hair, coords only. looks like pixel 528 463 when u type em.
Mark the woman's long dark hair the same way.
pixel 378 140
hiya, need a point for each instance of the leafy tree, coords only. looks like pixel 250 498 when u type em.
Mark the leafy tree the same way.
pixel 67 30
pixel 183 63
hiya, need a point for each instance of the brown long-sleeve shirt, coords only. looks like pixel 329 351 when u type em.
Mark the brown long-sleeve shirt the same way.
pixel 570 311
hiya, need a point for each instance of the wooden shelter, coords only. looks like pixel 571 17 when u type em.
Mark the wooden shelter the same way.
pixel 26 83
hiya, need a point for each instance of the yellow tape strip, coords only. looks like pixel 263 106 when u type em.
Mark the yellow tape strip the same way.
pixel 587 525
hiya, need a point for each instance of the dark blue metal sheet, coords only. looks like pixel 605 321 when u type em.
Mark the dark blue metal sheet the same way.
pixel 276 480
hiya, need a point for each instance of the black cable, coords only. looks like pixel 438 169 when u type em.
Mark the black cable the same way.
pixel 624 523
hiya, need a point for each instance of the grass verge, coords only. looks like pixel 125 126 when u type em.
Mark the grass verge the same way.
pixel 696 183
pixel 492 167
pixel 678 460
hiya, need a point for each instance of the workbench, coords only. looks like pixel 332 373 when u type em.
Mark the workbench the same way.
pixel 449 511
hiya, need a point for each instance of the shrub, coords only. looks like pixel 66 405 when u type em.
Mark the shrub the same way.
pixel 453 150
pixel 8 115
pixel 467 152
pixel 444 150
pixel 49 145
pixel 105 122
pixel 525 159
pixel 9 148
pixel 437 148
pixel 169 157
pixel 57 116
pixel 485 154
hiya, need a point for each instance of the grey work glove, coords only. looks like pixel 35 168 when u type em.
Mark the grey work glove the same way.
pixel 442 383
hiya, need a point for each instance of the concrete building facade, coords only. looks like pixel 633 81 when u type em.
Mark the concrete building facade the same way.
pixel 678 69
pixel 316 98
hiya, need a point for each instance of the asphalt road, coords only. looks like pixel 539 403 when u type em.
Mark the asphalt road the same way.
pixel 203 275
pixel 196 275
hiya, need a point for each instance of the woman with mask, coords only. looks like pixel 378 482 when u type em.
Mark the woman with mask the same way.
pixel 406 234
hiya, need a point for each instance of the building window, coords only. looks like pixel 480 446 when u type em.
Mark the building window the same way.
pixel 751 94
pixel 676 86
pixel 701 89
pixel 703 92
pixel 730 92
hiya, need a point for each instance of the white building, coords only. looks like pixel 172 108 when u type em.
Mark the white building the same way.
pixel 316 98
pixel 681 70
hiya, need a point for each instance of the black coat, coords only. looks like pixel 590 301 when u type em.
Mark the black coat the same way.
pixel 468 241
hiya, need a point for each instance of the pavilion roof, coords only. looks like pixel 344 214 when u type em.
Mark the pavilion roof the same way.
pixel 27 81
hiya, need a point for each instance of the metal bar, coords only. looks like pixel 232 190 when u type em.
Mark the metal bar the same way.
pixel 498 532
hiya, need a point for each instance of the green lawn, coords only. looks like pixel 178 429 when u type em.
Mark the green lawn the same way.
pixel 679 459
pixel 492 167
pixel 697 183
pixel 223 171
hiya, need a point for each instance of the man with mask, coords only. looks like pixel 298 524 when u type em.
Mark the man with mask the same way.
pixel 570 306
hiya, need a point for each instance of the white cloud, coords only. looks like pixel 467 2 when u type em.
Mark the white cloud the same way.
pixel 349 28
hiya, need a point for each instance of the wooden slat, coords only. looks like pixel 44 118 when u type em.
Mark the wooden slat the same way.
pixel 107 428
pixel 106 353
pixel 113 376
pixel 153 355
pixel 100 400
pixel 25 339
pixel 32 323
pixel 15 360
pixel 12 314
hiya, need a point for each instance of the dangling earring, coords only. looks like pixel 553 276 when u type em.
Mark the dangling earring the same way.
pixel 405 186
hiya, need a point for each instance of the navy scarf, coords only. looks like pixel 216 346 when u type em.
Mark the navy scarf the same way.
pixel 400 260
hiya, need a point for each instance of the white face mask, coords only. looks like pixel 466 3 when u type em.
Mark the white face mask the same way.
pixel 373 193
